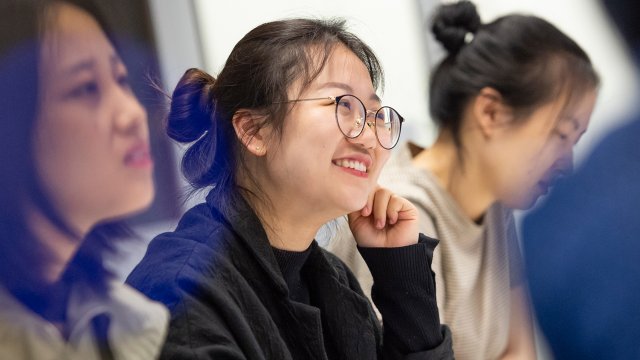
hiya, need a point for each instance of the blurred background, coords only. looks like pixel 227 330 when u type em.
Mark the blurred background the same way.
pixel 166 37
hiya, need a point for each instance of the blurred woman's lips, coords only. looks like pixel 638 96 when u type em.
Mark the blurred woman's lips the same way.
pixel 139 156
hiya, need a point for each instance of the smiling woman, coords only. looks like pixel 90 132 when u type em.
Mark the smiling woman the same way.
pixel 78 158
pixel 290 135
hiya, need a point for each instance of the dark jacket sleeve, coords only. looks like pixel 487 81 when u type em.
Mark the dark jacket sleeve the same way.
pixel 200 325
pixel 198 331
pixel 404 292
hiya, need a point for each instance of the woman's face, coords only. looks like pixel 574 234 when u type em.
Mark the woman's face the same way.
pixel 314 163
pixel 531 155
pixel 92 140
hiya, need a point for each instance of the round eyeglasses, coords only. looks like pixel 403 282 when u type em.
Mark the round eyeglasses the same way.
pixel 351 116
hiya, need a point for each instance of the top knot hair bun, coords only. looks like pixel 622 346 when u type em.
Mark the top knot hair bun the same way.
pixel 454 25
pixel 192 105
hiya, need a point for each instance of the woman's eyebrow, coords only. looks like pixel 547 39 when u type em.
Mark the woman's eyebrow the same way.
pixel 81 66
pixel 347 88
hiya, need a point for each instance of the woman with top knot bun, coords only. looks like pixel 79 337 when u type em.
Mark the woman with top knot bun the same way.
pixel 290 135
pixel 511 99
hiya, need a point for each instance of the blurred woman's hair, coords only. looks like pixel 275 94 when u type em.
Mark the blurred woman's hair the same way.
pixel 525 58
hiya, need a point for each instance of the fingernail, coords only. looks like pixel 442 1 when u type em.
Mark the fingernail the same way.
pixel 380 224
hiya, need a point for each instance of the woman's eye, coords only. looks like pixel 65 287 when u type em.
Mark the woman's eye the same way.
pixel 562 135
pixel 566 129
pixel 86 89
pixel 345 104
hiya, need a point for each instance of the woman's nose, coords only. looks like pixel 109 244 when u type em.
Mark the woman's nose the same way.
pixel 130 115
pixel 367 138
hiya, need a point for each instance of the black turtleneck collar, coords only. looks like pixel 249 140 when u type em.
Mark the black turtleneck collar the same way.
pixel 291 264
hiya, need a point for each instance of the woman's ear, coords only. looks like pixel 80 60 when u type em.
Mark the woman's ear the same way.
pixel 250 131
pixel 489 111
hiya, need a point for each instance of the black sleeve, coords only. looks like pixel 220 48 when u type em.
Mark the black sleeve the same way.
pixel 199 332
pixel 202 315
pixel 404 292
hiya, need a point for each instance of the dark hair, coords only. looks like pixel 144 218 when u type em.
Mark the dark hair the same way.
pixel 525 58
pixel 23 24
pixel 259 71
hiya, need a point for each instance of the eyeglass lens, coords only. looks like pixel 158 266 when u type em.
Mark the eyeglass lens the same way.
pixel 351 115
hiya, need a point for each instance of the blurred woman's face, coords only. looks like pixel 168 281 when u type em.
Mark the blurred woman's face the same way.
pixel 529 156
pixel 92 140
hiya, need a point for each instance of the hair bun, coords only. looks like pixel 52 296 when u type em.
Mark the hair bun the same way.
pixel 190 115
pixel 453 22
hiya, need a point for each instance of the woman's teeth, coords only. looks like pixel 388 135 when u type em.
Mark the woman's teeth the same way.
pixel 352 164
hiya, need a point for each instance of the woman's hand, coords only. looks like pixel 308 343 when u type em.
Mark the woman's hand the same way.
pixel 387 220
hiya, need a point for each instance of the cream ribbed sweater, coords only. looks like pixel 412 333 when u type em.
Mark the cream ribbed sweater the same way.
pixel 475 265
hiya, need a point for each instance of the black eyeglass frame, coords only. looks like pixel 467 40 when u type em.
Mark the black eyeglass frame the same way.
pixel 335 101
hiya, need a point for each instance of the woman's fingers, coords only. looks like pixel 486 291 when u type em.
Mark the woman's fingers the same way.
pixel 367 209
pixel 383 207
pixel 380 207
pixel 386 224
pixel 395 205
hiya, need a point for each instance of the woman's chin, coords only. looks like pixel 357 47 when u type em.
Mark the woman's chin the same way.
pixel 355 206
pixel 137 204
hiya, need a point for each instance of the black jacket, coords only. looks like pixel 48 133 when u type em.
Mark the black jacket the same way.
pixel 228 300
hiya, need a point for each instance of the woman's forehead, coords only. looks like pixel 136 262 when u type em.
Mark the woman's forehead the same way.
pixel 344 71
